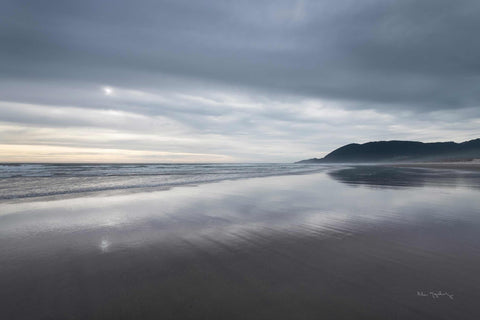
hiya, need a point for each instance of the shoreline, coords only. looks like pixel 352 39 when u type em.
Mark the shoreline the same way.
pixel 118 191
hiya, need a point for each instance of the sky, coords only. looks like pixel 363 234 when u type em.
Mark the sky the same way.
pixel 232 81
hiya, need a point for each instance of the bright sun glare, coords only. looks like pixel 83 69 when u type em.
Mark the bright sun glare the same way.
pixel 107 91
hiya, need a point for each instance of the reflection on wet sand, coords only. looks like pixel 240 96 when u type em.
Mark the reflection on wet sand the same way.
pixel 289 247
pixel 384 176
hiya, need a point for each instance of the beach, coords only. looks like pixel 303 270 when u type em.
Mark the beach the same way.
pixel 340 243
pixel 473 165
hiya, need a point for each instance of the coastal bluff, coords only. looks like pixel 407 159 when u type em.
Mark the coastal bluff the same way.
pixel 401 151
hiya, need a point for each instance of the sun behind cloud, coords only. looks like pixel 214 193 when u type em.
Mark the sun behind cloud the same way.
pixel 108 91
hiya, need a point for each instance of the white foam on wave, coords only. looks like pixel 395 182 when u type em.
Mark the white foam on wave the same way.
pixel 36 180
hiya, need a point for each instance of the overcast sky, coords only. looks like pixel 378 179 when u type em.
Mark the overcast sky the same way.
pixel 233 81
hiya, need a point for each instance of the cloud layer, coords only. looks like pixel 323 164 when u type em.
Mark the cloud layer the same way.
pixel 233 81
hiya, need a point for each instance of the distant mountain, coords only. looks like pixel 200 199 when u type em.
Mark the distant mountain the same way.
pixel 401 151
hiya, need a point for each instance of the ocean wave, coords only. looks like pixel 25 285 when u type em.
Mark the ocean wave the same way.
pixel 40 180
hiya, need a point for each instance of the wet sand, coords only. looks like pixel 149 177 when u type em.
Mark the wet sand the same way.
pixel 355 243
pixel 457 165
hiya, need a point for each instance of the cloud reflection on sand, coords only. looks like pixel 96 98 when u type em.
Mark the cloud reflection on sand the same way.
pixel 284 240
pixel 295 206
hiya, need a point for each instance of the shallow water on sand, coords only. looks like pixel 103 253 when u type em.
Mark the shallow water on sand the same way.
pixel 352 243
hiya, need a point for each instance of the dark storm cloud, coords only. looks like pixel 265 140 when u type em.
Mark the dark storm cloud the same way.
pixel 417 55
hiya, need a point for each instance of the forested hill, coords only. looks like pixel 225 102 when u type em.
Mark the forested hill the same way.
pixel 401 151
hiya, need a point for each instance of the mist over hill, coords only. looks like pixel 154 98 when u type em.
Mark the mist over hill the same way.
pixel 401 151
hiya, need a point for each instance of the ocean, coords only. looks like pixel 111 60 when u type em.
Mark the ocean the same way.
pixel 37 180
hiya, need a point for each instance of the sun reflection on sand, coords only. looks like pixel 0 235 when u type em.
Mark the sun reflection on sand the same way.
pixel 105 245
